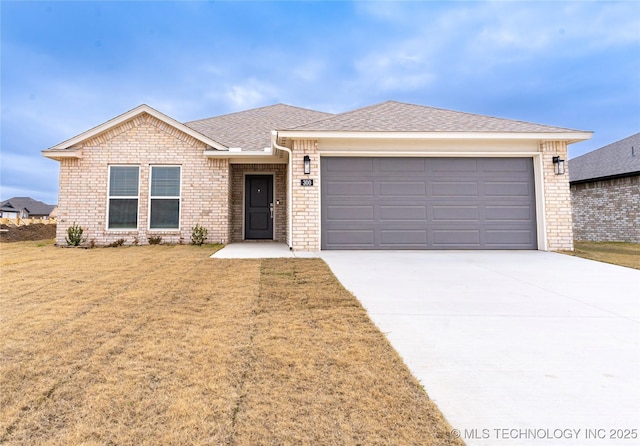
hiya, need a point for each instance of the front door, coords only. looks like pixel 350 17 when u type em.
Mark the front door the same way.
pixel 258 202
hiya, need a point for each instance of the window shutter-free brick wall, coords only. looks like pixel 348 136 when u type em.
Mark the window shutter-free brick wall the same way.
pixel 144 141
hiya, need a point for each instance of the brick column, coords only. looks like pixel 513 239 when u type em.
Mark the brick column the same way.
pixel 306 199
pixel 557 198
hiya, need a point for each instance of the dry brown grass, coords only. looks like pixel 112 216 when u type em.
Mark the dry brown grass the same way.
pixel 623 254
pixel 162 345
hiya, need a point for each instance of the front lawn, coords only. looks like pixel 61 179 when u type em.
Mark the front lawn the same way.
pixel 618 253
pixel 162 345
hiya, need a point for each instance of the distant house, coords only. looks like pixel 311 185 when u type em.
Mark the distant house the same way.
pixel 605 192
pixel 25 207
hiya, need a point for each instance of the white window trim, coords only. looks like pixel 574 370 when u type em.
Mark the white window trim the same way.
pixel 109 197
pixel 179 198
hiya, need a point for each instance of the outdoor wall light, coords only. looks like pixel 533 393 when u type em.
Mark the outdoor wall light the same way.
pixel 558 165
pixel 307 165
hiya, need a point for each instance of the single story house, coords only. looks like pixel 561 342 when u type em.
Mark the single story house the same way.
pixel 25 207
pixel 388 176
pixel 605 192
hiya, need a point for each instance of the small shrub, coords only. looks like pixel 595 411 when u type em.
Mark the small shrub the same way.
pixel 199 235
pixel 154 239
pixel 135 241
pixel 92 243
pixel 74 235
pixel 117 243
pixel 181 240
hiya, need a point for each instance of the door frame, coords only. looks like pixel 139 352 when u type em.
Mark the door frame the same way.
pixel 244 202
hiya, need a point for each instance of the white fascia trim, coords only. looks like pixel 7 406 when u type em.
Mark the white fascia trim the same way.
pixel 571 137
pixel 234 154
pixel 418 154
pixel 62 154
pixel 130 115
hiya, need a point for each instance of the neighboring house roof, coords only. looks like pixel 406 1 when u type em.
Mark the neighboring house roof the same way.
pixel 393 116
pixel 251 129
pixel 33 207
pixel 621 158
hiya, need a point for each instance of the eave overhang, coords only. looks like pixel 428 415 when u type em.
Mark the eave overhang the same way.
pixel 569 137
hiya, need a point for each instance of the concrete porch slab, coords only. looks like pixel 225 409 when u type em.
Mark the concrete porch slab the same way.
pixel 259 250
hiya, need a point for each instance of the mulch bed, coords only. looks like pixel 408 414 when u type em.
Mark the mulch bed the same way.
pixel 24 233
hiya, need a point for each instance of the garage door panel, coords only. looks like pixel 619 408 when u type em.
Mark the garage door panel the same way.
pixel 402 165
pixel 350 213
pixel 349 189
pixel 508 237
pixel 397 239
pixel 403 213
pixel 506 166
pixel 402 189
pixel 507 189
pixel 508 213
pixel 363 238
pixel 460 238
pixel 428 203
pixel 348 165
pixel 455 213
pixel 453 165
pixel 454 189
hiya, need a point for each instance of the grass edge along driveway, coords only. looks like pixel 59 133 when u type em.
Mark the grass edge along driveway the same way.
pixel 162 345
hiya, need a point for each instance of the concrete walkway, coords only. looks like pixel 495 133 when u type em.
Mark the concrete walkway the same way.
pixel 516 348
pixel 258 250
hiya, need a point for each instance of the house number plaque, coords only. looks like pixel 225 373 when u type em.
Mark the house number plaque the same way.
pixel 306 182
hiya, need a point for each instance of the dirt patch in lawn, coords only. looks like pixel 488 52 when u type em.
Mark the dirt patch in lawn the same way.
pixel 162 345
pixel 618 253
pixel 38 231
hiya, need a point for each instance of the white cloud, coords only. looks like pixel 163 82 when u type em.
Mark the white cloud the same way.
pixel 251 94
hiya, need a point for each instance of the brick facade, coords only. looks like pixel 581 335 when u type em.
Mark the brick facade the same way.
pixel 607 210
pixel 143 141
pixel 557 198
pixel 238 173
pixel 306 199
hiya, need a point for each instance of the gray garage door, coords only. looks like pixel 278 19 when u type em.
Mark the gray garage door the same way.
pixel 428 203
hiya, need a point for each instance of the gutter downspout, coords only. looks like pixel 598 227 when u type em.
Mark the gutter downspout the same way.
pixel 274 139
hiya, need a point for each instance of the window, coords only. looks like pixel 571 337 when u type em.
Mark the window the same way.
pixel 123 197
pixel 165 197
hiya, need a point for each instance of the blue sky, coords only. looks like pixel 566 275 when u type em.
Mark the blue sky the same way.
pixel 68 66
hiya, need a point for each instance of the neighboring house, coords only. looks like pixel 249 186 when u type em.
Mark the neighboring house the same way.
pixel 387 176
pixel 25 207
pixel 605 192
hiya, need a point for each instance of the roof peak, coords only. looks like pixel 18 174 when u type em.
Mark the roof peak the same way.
pixel 261 108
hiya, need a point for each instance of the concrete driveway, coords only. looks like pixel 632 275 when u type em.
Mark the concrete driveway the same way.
pixel 519 347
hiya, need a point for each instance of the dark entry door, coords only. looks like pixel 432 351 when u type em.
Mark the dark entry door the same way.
pixel 258 214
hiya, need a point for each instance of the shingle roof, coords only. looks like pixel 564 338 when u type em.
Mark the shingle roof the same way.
pixel 251 129
pixel 34 207
pixel 393 116
pixel 611 160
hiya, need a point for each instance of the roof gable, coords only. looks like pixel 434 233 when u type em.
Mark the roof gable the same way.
pixel 251 129
pixel 68 147
pixel 393 116
pixel 615 159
